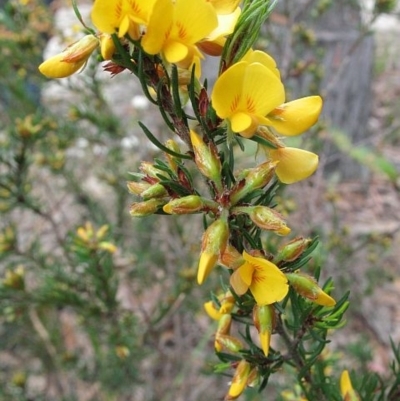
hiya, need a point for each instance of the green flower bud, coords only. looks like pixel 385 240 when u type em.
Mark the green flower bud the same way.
pixel 265 218
pixel 146 208
pixel 255 178
pixel 292 250
pixel 213 245
pixel 264 321
pixel 307 287
pixel 206 159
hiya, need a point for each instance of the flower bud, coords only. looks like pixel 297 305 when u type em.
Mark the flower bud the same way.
pixel 151 171
pixel 8 239
pixel 254 378
pixel 172 145
pixel 137 188
pixel 223 330
pixel 239 380
pixel 307 287
pixel 225 341
pixel 231 258
pixel 206 159
pixel 213 245
pixel 185 205
pixel 146 208
pixel 265 218
pixel 224 324
pixel 264 321
pixel 227 303
pixel 292 250
pixel 71 60
pixel 107 246
pixel 154 191
pixel 256 178
pixel 15 278
pixel 107 46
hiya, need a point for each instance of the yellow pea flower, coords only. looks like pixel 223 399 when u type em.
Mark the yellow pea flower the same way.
pixel 122 16
pixel 265 281
pixel 176 26
pixel 71 60
pixel 244 94
pixel 294 164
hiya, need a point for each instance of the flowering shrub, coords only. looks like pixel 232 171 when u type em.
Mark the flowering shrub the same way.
pixel 269 312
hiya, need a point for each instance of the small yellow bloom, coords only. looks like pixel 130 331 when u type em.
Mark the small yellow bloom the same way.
pixel 265 281
pixel 175 27
pixel 244 94
pixel 346 388
pixel 294 164
pixel 122 16
pixel 71 60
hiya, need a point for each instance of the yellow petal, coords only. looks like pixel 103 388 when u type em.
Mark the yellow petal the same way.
pixel 224 6
pixel 194 20
pixel 239 380
pixel 159 27
pixel 258 56
pixel 242 122
pixel 238 284
pixel 226 25
pixel 227 90
pixel 345 383
pixel 206 264
pixel 265 340
pixel 295 117
pixel 294 164
pixel 108 16
pixel 324 299
pixel 212 311
pixel 55 67
pixel 262 90
pixel 175 51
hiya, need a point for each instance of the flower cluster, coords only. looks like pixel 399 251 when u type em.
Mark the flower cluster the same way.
pixel 178 31
pixel 162 42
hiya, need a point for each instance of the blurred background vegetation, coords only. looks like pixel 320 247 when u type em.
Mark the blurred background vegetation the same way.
pixel 97 306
